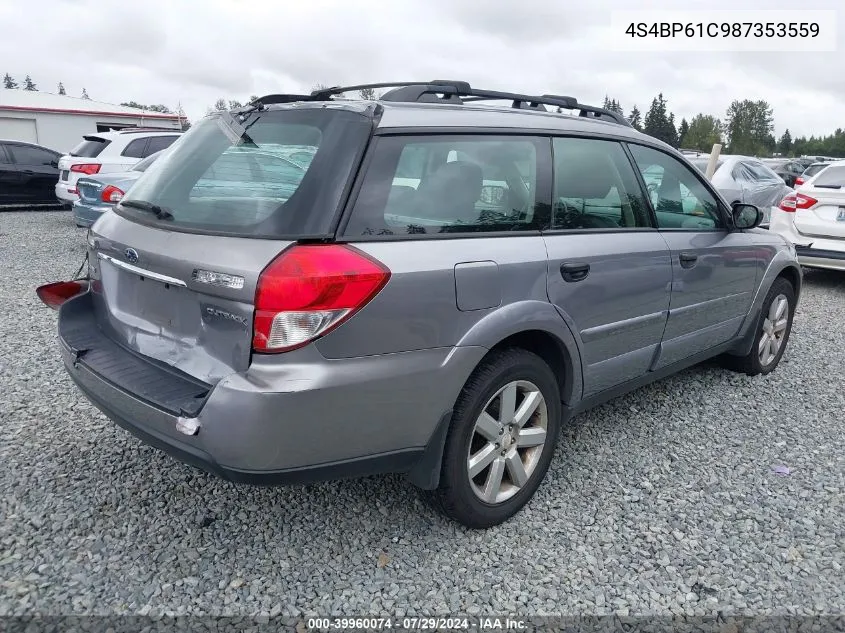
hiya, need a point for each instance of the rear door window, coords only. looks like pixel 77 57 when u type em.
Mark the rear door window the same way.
pixel 278 173
pixel 136 148
pixel 596 187
pixel 158 143
pixel 453 184
pixel 91 147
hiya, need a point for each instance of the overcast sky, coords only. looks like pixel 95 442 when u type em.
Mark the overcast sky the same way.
pixel 195 52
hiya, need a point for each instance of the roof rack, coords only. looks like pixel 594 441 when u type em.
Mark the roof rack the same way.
pixel 449 91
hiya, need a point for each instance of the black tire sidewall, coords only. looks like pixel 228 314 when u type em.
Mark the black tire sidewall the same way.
pixel 510 366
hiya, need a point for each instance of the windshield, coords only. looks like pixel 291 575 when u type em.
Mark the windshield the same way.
pixel 277 173
pixel 142 165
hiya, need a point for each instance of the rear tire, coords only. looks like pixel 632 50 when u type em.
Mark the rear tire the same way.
pixel 501 439
pixel 774 324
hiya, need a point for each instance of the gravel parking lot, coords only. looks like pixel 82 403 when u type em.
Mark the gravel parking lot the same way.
pixel 664 501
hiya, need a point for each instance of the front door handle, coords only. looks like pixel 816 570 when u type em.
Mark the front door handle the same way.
pixel 574 271
pixel 688 260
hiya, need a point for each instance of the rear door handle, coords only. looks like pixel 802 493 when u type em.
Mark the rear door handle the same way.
pixel 574 271
pixel 688 260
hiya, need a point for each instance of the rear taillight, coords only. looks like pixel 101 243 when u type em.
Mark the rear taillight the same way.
pixel 111 194
pixel 55 294
pixel 799 181
pixel 86 168
pixel 796 201
pixel 309 290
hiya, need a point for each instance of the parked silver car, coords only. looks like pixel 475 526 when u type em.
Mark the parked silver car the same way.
pixel 748 180
pixel 99 193
pixel 435 291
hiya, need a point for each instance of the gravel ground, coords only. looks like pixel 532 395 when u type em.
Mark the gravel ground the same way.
pixel 664 501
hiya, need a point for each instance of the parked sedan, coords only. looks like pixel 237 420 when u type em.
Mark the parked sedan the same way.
pixel 27 173
pixel 809 172
pixel 98 194
pixel 788 170
pixel 748 180
pixel 812 218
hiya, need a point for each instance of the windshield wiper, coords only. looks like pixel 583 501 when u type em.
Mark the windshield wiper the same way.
pixel 160 212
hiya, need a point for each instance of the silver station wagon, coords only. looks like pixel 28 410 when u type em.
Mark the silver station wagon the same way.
pixel 432 283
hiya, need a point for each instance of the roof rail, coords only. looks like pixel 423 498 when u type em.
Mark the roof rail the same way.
pixel 449 91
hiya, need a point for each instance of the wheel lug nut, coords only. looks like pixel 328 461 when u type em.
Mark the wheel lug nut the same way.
pixel 501 431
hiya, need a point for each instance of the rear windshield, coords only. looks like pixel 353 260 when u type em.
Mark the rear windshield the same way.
pixel 278 173
pixel 812 170
pixel 701 164
pixel 832 177
pixel 90 147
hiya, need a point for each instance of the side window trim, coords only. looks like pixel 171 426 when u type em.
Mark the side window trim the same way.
pixel 652 214
pixel 5 157
pixel 544 183
pixel 723 212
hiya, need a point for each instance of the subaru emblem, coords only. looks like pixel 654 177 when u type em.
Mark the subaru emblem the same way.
pixel 131 255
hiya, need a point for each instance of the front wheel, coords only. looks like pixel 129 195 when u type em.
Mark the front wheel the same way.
pixel 501 439
pixel 773 329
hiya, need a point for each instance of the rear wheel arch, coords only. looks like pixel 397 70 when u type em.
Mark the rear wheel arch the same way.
pixel 553 352
pixel 793 276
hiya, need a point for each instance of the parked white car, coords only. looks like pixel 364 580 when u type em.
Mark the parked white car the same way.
pixel 108 152
pixel 813 219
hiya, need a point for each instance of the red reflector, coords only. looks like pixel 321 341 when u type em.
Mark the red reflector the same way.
pixel 73 190
pixel 111 194
pixel 309 290
pixel 55 294
pixel 86 168
pixel 799 181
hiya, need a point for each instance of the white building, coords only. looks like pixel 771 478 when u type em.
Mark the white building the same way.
pixel 59 121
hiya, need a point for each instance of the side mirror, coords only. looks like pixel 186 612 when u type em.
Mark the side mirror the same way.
pixel 746 216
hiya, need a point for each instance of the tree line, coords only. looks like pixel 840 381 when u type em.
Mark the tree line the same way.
pixel 747 129
pixel 9 83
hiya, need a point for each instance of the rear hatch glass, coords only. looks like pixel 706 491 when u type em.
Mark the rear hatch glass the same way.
pixel 277 173
pixel 701 164
pixel 91 147
pixel 812 170
pixel 180 288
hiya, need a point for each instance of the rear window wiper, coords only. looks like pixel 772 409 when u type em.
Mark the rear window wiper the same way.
pixel 160 212
pixel 828 186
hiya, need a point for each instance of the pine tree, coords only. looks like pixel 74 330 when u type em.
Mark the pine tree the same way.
pixel 682 132
pixel 660 125
pixel 28 84
pixel 85 94
pixel 785 143
pixel 636 119
pixel 220 104
pixel 62 89
pixel 9 83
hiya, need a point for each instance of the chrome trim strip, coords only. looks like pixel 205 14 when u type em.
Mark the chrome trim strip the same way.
pixel 143 272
